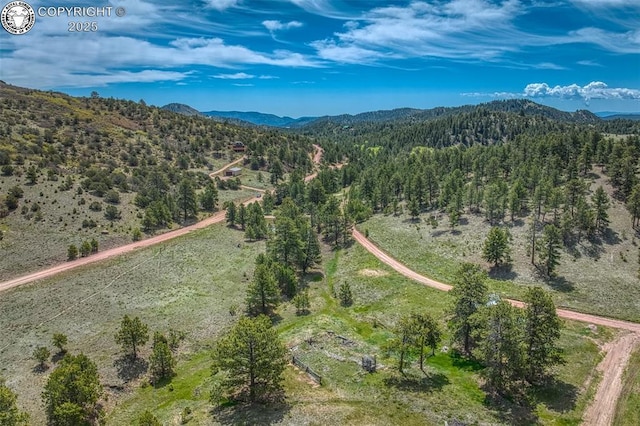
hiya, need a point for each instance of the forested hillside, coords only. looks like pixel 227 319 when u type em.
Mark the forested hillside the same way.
pixel 79 170
pixel 557 194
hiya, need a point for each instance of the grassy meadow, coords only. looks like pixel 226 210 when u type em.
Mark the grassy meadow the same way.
pixel 599 278
pixel 189 284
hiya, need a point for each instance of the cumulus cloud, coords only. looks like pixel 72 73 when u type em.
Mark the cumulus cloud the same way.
pixel 593 90
pixel 272 25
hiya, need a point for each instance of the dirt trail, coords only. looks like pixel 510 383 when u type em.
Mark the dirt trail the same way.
pixel 603 407
pixel 562 313
pixel 117 251
pixel 316 160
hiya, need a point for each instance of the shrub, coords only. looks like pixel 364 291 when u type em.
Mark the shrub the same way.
pixel 95 206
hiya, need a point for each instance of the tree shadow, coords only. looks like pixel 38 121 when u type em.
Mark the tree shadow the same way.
pixel 57 357
pixel 251 414
pixel 557 395
pixel 431 381
pixel 465 364
pixel 40 368
pixel 129 368
pixel 611 237
pixel 560 284
pixel 463 221
pixel 503 273
pixel 510 411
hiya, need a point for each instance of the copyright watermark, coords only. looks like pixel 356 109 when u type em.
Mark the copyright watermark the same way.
pixel 19 17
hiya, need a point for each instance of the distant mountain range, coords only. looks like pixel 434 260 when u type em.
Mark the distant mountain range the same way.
pixel 520 106
pixel 610 115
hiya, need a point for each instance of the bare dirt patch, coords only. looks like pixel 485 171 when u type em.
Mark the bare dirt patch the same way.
pixel 372 273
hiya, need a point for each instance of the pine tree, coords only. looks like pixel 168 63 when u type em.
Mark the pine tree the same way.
pixel 132 334
pixel 541 333
pixel 549 249
pixel 209 197
pixel 344 294
pixel 500 349
pixel 161 362
pixel 428 334
pixel 242 216
pixel 60 340
pixel 251 357
pixel 404 340
pixel 310 253
pixel 633 205
pixel 230 215
pixel 187 200
pixel 496 246
pixel 10 415
pixel 263 294
pixel 601 205
pixel 470 292
pixel 72 391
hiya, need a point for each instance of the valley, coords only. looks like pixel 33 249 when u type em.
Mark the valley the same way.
pixel 357 227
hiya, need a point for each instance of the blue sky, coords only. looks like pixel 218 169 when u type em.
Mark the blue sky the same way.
pixel 317 57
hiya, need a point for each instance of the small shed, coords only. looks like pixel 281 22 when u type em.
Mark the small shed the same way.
pixel 234 171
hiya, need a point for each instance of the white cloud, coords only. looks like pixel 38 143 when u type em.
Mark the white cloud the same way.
pixel 221 4
pixel 593 90
pixel 236 76
pixel 277 25
pixel 589 63
pixel 464 30
pixel 243 84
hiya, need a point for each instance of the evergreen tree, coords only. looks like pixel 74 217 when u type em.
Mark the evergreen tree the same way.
pixel 286 245
pixel 500 349
pixel 242 216
pixel 344 294
pixel 209 197
pixel 470 293
pixel 187 200
pixel 148 419
pixel 404 341
pixel 231 215
pixel 496 246
pixel 427 334
pixel 41 354
pixel 262 294
pixel 549 249
pixel 301 302
pixel 541 333
pixel 132 334
pixel 72 391
pixel 310 253
pixel 60 340
pixel 10 415
pixel 161 362
pixel 251 357
pixel 601 205
pixel 256 228
pixel 633 205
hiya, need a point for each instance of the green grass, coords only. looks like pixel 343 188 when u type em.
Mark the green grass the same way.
pixel 190 282
pixel 599 279
pixel 186 284
pixel 628 407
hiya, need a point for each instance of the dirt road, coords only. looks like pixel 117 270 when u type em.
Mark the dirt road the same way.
pixel 117 251
pixel 409 273
pixel 603 407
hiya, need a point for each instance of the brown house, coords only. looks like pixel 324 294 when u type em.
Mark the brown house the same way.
pixel 238 147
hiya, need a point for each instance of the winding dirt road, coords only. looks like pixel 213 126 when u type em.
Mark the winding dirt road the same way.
pixel 117 251
pixel 602 409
